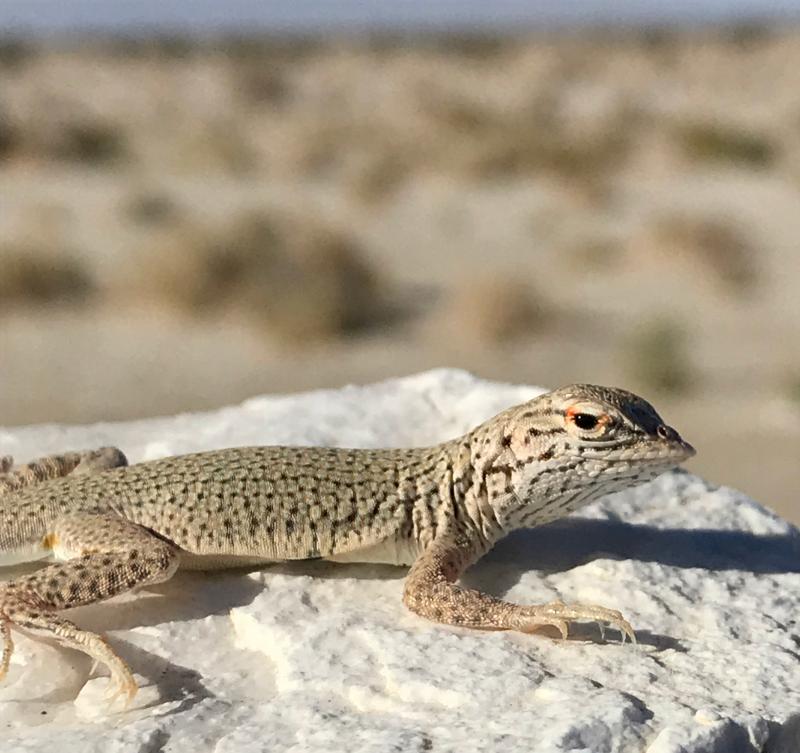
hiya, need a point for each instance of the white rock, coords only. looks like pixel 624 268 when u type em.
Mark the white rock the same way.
pixel 319 657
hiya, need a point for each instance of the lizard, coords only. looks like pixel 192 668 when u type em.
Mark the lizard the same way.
pixel 112 527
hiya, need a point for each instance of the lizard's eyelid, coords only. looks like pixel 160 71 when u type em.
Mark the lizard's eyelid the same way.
pixel 587 418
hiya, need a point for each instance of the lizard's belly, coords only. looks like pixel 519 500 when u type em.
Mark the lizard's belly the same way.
pixel 392 551
pixel 191 561
pixel 30 553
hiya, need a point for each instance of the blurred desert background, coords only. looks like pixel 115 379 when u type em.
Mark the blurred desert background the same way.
pixel 189 221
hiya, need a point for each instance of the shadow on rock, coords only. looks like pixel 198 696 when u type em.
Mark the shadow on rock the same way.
pixel 571 542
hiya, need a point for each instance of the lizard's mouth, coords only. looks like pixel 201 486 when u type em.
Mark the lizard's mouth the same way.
pixel 664 453
pixel 687 450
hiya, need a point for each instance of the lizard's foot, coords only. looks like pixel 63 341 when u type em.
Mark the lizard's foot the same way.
pixel 94 461
pixel 558 615
pixel 56 466
pixel 106 555
pixel 22 610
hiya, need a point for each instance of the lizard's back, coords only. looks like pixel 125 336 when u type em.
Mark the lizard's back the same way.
pixel 272 503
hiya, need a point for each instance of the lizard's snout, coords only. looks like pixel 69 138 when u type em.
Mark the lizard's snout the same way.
pixel 669 435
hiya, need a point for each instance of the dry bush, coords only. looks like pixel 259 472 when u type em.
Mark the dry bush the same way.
pixel 473 45
pixel 84 140
pixel 497 309
pixel 657 357
pixel 37 275
pixel 150 207
pixel 792 387
pixel 162 46
pixel 219 145
pixel 295 276
pixel 16 51
pixel 10 137
pixel 595 253
pixel 718 142
pixel 748 34
pixel 719 246
pixel 380 176
pixel 537 139
pixel 525 148
pixel 262 86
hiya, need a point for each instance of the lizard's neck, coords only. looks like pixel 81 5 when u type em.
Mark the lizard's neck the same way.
pixel 509 493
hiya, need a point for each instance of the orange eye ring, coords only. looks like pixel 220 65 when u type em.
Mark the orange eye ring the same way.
pixel 584 420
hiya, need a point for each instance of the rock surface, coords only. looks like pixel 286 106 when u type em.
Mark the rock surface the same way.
pixel 319 657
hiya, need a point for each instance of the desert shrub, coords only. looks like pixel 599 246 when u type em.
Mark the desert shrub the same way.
pixel 792 388
pixel 494 309
pixel 296 277
pixel 31 275
pixel 564 156
pixel 719 245
pixel 219 144
pixel 267 48
pixel 88 141
pixel 473 45
pixel 16 51
pixel 595 253
pixel 493 145
pixel 717 142
pixel 380 175
pixel 150 207
pixel 10 137
pixel 657 357
pixel 261 85
pixel 747 34
pixel 164 46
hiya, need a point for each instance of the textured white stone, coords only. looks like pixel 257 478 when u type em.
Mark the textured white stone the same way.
pixel 321 657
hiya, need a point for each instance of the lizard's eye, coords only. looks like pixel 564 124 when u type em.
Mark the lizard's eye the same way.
pixel 585 421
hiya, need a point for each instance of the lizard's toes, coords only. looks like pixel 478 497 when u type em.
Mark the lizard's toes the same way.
pixel 530 621
pixel 121 687
pixel 591 613
pixel 8 647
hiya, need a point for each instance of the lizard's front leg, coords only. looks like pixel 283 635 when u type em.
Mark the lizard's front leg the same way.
pixel 106 555
pixel 431 591
pixel 55 466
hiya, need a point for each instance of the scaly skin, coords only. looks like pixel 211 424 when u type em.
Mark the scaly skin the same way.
pixel 438 509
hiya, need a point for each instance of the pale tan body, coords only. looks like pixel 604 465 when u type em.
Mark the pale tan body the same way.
pixel 438 509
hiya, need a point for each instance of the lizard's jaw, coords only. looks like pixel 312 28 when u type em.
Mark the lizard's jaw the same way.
pixel 664 453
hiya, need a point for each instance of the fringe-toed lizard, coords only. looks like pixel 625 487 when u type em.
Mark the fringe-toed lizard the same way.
pixel 113 527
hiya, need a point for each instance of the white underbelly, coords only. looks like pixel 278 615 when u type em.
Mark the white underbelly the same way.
pixel 191 561
pixel 390 552
pixel 28 553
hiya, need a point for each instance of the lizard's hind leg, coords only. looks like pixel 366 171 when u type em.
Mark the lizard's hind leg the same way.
pixel 55 466
pixel 107 555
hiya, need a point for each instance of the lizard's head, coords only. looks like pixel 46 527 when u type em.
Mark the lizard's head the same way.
pixel 580 442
